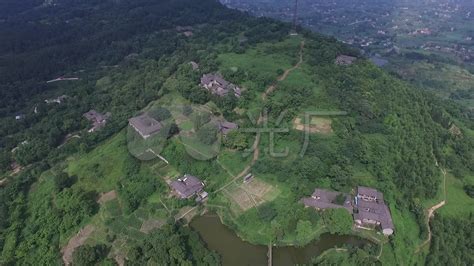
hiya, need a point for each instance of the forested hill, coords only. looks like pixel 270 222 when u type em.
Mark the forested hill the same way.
pixel 130 56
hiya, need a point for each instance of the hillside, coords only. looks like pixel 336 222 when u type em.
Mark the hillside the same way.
pixel 104 196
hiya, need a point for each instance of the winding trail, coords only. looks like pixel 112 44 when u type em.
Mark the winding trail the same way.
pixel 432 210
pixel 262 118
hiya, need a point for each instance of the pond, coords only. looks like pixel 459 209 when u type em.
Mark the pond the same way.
pixel 235 251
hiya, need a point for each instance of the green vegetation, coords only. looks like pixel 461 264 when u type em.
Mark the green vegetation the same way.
pixel 392 138
pixel 452 241
pixel 172 245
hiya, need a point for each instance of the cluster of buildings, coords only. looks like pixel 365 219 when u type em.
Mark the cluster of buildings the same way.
pixel 217 85
pixel 367 207
pixel 147 126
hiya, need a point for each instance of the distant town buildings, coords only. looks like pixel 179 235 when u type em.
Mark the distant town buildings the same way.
pixel 145 125
pixel 368 207
pixel 216 85
pixel 98 120
pixel 187 187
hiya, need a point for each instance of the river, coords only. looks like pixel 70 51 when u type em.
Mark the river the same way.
pixel 235 251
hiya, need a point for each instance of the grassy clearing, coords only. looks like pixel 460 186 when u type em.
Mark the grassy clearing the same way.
pixel 233 161
pixel 98 170
pixel 458 203
pixel 265 59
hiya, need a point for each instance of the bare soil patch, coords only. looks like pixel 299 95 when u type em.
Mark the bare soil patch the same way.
pixel 317 125
pixel 106 197
pixel 250 194
pixel 75 242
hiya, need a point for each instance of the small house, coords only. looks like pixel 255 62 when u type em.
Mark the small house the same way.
pixel 187 186
pixel 345 60
pixel 57 100
pixel 217 85
pixel 225 127
pixel 98 119
pixel 145 125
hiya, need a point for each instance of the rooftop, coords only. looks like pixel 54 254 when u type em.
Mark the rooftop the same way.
pixel 325 199
pixel 187 186
pixel 371 192
pixel 225 127
pixel 345 60
pixel 145 125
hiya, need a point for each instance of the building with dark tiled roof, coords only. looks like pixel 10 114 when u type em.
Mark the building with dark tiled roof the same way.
pixel 372 210
pixel 345 60
pixel 369 194
pixel 324 199
pixel 216 85
pixel 145 125
pixel 187 186
pixel 369 210
pixel 98 119
pixel 225 127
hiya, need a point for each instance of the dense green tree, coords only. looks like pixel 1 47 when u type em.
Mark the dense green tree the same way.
pixel 86 255
pixel 207 134
pixel 63 180
pixel 172 245
pixel 338 221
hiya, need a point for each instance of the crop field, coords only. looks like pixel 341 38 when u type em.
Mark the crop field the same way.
pixel 317 125
pixel 252 194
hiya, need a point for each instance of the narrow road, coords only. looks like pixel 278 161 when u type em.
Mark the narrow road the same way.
pixel 432 210
pixel 261 119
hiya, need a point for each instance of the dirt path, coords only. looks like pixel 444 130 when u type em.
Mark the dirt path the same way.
pixel 431 212
pixel 285 74
pixel 76 242
pixel 261 119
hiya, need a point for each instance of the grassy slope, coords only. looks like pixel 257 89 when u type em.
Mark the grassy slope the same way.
pixel 106 160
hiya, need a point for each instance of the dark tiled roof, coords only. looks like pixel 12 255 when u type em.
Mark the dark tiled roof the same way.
pixel 369 192
pixel 225 127
pixel 145 125
pixel 96 117
pixel 323 199
pixel 218 85
pixel 373 210
pixel 187 186
pixel 345 60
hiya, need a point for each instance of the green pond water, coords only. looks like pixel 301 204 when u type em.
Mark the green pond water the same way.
pixel 235 251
